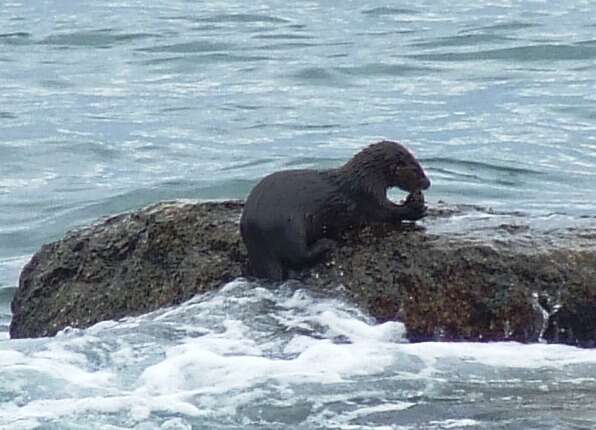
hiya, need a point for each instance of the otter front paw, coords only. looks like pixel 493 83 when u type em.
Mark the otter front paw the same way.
pixel 414 207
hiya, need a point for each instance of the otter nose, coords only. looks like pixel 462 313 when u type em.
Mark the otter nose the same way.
pixel 425 183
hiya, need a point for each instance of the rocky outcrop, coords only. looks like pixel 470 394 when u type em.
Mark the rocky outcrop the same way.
pixel 128 265
pixel 503 282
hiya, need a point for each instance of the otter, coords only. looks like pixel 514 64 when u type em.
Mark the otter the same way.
pixel 291 217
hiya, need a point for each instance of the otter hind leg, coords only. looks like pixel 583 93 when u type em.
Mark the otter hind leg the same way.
pixel 268 268
pixel 300 255
pixel 319 249
pixel 262 259
pixel 264 265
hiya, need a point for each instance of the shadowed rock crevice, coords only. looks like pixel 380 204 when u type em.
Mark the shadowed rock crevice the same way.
pixel 504 282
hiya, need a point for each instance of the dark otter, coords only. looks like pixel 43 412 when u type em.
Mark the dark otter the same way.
pixel 290 217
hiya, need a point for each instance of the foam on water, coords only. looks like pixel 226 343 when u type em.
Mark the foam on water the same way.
pixel 255 355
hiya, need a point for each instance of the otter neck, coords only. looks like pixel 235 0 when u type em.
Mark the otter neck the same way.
pixel 353 178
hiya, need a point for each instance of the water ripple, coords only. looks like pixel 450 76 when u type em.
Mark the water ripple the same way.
pixel 190 47
pixel 16 38
pixel 212 58
pixel 320 76
pixel 94 38
pixel 543 52
pixel 284 36
pixel 286 46
pixel 386 10
pixel 505 26
pixel 462 40
pixel 471 174
pixel 244 17
pixel 382 69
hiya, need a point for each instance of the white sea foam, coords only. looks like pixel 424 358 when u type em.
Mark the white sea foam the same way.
pixel 455 424
pixel 503 354
pixel 252 354
pixel 384 407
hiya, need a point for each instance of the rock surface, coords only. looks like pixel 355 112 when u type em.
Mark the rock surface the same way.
pixel 503 282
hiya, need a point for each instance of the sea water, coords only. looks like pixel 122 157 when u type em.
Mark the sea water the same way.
pixel 108 106
pixel 248 356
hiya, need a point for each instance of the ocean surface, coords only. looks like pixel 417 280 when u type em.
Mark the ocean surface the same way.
pixel 108 106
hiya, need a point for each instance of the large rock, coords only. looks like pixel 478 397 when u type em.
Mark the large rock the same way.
pixel 507 283
pixel 127 265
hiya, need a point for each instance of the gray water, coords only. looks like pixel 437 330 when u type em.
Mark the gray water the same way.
pixel 108 106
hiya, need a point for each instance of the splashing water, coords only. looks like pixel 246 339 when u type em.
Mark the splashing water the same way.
pixel 255 356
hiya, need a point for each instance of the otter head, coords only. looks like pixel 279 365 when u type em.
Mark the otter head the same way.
pixel 381 166
pixel 399 167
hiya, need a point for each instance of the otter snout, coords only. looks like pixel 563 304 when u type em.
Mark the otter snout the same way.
pixel 413 183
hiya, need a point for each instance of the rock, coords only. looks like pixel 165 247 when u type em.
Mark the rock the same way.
pixel 497 282
pixel 128 265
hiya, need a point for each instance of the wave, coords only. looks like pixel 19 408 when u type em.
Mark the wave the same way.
pixel 539 52
pixel 244 17
pixel 197 46
pixel 319 76
pixel 504 26
pixel 7 115
pixel 16 38
pixel 195 59
pixel 94 38
pixel 258 355
pixel 478 165
pixel 286 45
pixel 384 69
pixel 51 224
pixel 386 10
pixel 283 36
pixel 461 40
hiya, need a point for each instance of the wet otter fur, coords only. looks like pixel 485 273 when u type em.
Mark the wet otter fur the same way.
pixel 290 217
